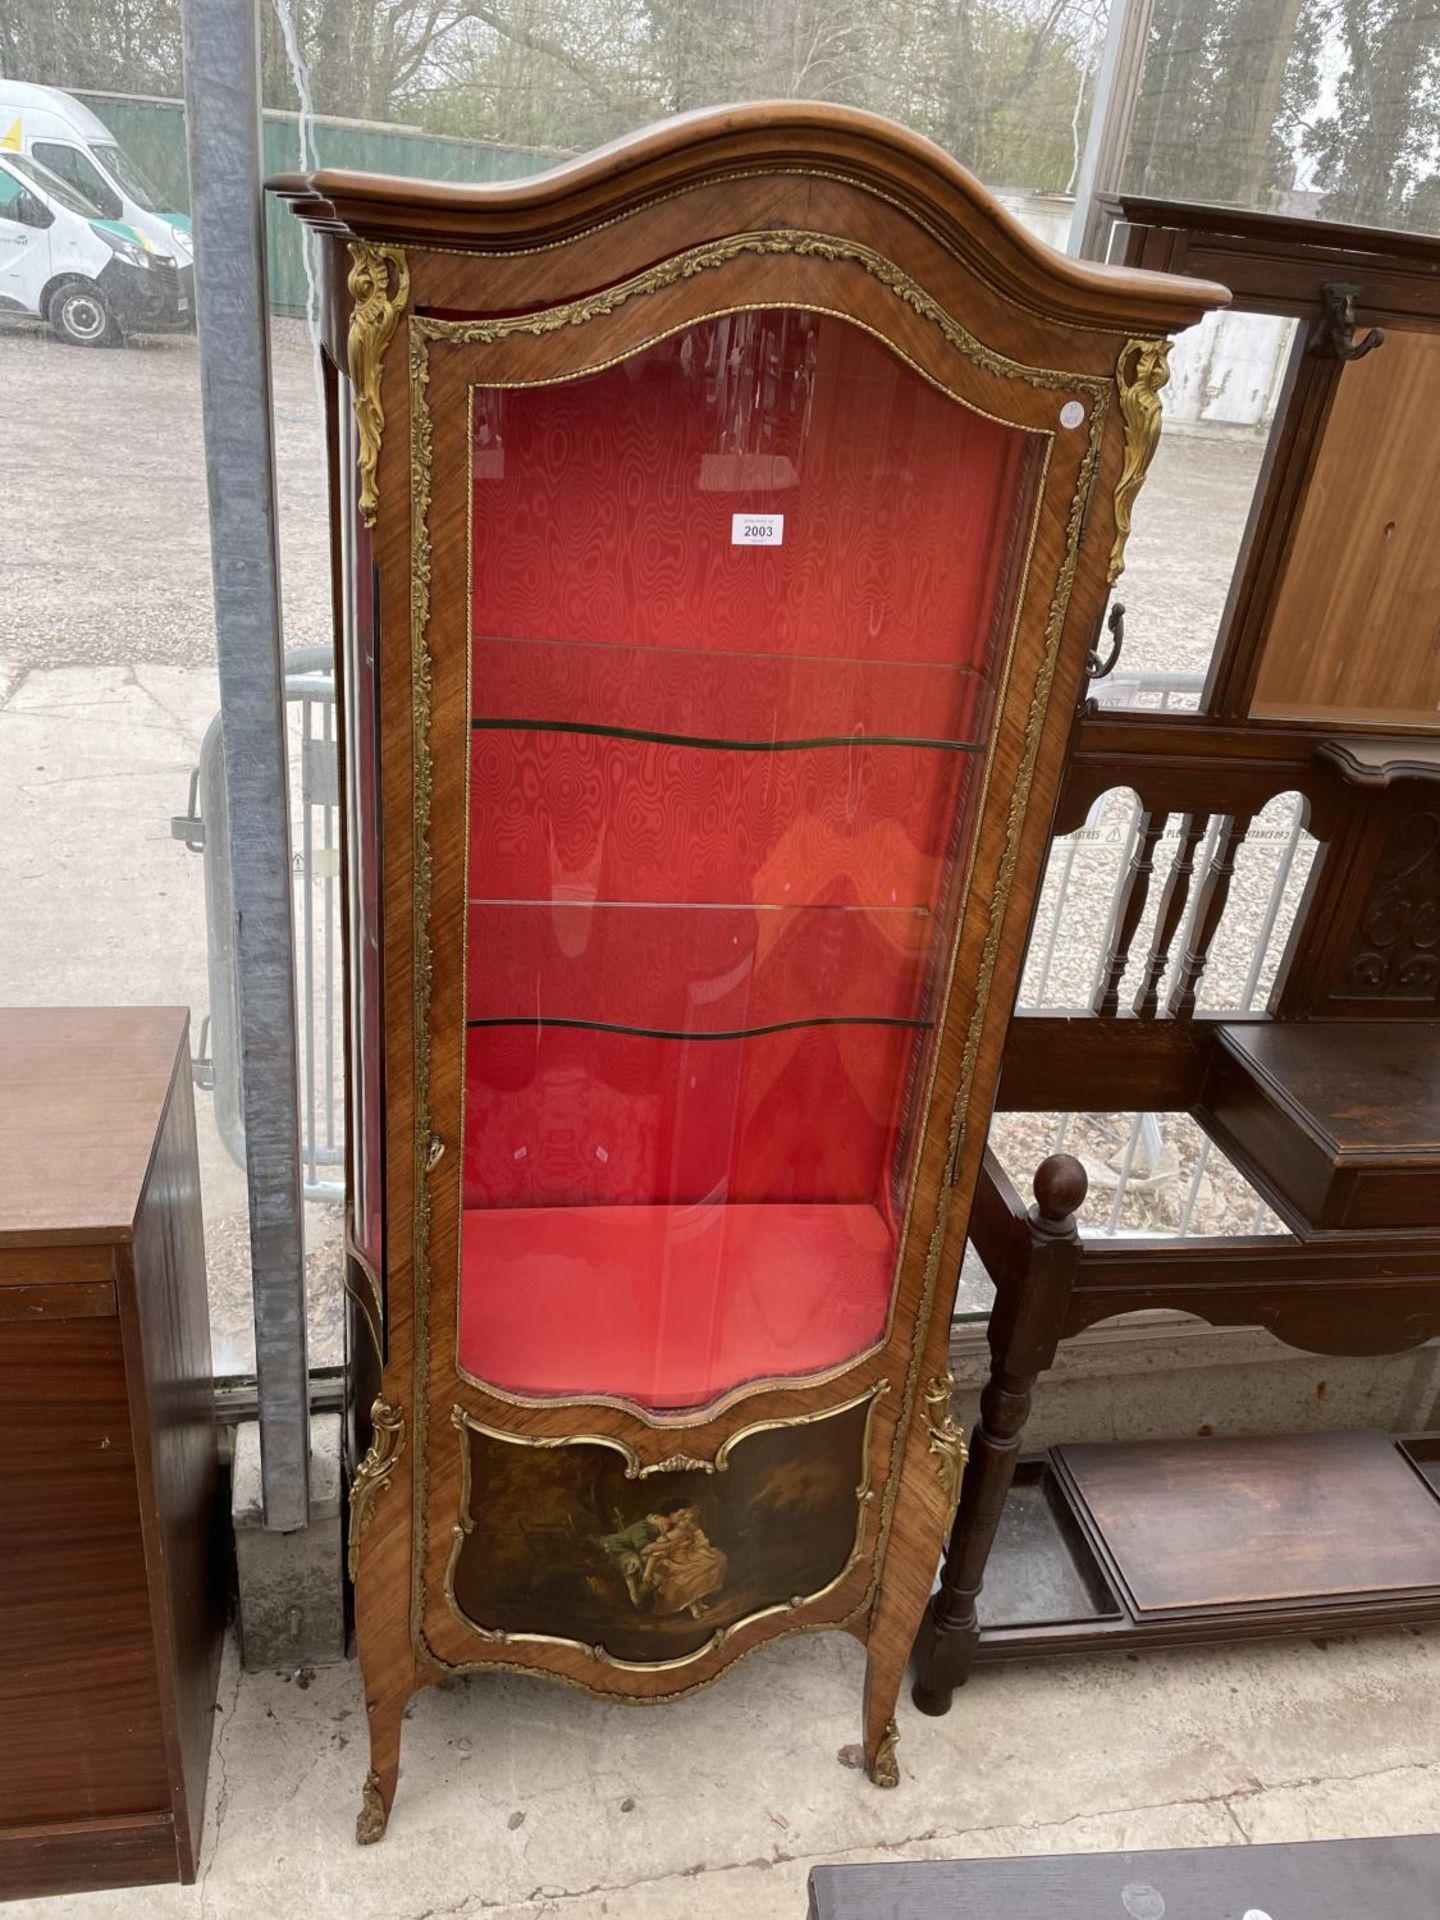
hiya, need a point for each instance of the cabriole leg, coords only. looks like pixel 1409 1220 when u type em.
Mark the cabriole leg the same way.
pixel 385 1715
pixel 884 1670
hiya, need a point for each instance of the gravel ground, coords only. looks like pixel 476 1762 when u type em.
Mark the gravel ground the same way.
pixel 1188 525
pixel 107 547
pixel 107 684
pixel 107 599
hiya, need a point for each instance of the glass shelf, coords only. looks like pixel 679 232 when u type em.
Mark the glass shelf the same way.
pixel 683 969
pixel 764 703
pixel 557 1115
pixel 579 816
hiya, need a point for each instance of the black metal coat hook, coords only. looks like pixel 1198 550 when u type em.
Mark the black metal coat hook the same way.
pixel 1334 338
pixel 1095 667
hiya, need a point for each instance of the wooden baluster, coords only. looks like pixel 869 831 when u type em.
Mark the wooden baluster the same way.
pixel 1025 1327
pixel 1129 906
pixel 1209 906
pixel 1172 911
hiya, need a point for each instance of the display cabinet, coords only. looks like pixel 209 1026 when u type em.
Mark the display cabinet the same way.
pixel 722 525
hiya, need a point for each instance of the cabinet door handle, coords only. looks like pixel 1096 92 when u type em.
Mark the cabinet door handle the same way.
pixel 436 1153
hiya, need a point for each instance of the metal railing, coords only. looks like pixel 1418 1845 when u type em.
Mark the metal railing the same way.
pixel 314 787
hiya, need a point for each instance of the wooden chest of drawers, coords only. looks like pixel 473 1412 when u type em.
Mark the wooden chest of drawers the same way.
pixel 109 1601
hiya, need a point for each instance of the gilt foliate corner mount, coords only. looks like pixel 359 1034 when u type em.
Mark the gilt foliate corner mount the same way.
pixel 1142 371
pixel 379 285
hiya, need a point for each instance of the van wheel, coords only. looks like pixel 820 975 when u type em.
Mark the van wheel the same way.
pixel 80 316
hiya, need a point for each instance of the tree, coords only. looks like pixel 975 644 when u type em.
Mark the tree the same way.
pixel 1223 90
pixel 995 81
pixel 363 59
pixel 997 85
pixel 1376 152
pixel 116 46
pixel 567 74
pixel 1229 105
pixel 1001 83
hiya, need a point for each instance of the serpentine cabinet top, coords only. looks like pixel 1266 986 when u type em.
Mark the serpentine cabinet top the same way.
pixel 724 144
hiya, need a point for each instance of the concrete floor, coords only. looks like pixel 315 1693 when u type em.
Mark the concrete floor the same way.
pixel 520 1799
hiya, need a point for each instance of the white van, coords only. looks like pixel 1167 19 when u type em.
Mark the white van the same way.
pixel 55 129
pixel 94 280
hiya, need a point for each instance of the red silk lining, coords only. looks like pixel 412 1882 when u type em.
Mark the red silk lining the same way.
pixel 668 1305
pixel 717 789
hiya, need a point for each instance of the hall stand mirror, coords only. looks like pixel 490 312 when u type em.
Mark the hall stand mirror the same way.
pixel 1324 686
pixel 722 523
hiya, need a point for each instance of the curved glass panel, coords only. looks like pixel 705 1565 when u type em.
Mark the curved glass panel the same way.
pixel 738 605
pixel 362 779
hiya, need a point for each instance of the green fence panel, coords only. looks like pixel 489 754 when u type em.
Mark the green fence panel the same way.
pixel 152 133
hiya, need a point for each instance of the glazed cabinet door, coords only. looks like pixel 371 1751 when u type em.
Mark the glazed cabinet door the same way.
pixel 736 606
pixel 720 588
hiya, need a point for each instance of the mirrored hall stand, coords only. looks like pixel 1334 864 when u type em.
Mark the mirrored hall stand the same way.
pixel 1326 683
pixel 721 525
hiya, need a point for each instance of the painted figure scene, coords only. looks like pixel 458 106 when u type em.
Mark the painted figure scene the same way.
pixel 571 1542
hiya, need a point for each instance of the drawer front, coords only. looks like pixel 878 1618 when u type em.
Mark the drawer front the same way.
pixel 77 1663
pixel 33 1266
pixel 25 1302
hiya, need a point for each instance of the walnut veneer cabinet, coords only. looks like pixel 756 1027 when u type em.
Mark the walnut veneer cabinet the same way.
pixel 722 523
pixel 110 1608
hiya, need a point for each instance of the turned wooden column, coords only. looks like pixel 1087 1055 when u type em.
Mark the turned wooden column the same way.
pixel 1025 1328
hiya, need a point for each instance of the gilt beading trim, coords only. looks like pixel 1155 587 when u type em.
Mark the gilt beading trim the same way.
pixel 1100 390
pixel 947 1441
pixel 679 1463
pixel 466 1423
pixel 797 244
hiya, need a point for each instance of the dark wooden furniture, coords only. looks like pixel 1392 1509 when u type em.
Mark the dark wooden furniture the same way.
pixel 1342 539
pixel 109 1600
pixel 1187 1542
pixel 722 524
pixel 1316 1879
pixel 1343 1504
pixel 1328 1101
pixel 1337 1124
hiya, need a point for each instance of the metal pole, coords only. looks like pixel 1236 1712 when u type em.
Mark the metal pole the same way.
pixel 222 112
pixel 1117 87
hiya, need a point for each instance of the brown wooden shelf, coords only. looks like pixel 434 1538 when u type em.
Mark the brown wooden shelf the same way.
pixel 1169 1542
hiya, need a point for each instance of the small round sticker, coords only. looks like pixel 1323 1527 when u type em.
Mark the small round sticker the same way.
pixel 1142 1902
pixel 1071 414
